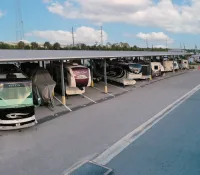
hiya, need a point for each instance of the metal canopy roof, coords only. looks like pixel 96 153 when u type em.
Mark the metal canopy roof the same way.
pixel 39 55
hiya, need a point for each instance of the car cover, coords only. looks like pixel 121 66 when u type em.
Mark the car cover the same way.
pixel 43 84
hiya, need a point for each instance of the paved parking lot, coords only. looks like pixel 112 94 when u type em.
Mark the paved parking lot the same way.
pixel 56 145
pixel 169 147
pixel 92 96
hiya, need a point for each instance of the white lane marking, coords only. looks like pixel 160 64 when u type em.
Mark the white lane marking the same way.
pixel 119 146
pixel 103 91
pixel 63 104
pixel 78 164
pixel 118 87
pixel 88 98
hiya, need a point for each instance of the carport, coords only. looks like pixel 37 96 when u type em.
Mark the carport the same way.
pixel 61 55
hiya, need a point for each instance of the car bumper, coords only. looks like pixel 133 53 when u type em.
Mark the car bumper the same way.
pixel 17 124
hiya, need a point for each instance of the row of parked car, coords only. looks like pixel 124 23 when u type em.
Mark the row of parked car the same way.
pixel 77 77
pixel 127 72
pixel 23 84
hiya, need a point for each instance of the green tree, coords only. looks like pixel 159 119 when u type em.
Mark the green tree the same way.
pixel 108 45
pixel 115 46
pixel 66 48
pixel 134 48
pixel 83 46
pixel 34 45
pixel 56 46
pixel 4 45
pixel 27 47
pixel 47 45
pixel 21 45
pixel 124 46
pixel 94 47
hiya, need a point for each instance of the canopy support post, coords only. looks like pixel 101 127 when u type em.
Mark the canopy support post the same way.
pixel 150 73
pixel 92 72
pixel 105 77
pixel 63 83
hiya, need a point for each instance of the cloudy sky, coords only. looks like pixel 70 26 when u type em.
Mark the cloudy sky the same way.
pixel 138 22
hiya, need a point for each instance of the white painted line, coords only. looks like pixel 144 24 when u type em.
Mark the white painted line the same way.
pixel 118 87
pixel 78 164
pixel 103 91
pixel 119 146
pixel 88 98
pixel 63 104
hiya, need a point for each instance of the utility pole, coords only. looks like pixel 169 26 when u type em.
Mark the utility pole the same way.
pixel 72 36
pixel 166 44
pixel 19 22
pixel 101 36
pixel 195 48
pixel 147 43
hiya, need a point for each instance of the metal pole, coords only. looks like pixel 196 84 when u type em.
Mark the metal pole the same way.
pixel 150 76
pixel 101 36
pixel 62 83
pixel 73 37
pixel 43 64
pixel 50 68
pixel 173 63
pixel 92 73
pixel 147 43
pixel 51 73
pixel 105 77
pixel 40 64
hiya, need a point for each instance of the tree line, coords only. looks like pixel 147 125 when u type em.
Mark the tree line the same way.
pixel 195 51
pixel 57 46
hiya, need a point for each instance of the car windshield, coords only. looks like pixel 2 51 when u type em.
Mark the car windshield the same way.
pixel 14 94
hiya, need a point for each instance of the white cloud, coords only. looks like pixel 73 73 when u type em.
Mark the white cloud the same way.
pixel 179 18
pixel 128 35
pixel 46 1
pixel 25 41
pixel 159 46
pixel 82 34
pixel 1 13
pixel 155 36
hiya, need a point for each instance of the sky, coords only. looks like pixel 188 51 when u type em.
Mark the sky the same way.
pixel 161 23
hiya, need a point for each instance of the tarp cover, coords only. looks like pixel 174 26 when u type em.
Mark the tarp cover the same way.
pixel 43 83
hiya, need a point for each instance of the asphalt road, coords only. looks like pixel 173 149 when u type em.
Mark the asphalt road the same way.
pixel 171 147
pixel 54 146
